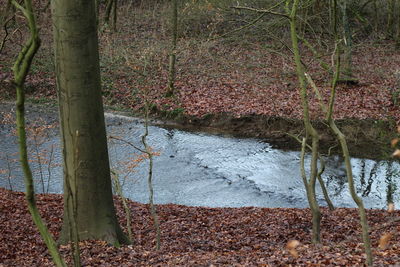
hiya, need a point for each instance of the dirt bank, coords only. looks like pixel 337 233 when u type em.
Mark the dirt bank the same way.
pixel 366 138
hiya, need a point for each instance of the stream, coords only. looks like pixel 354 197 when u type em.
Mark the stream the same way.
pixel 200 169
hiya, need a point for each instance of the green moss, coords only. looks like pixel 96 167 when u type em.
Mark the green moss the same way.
pixel 208 116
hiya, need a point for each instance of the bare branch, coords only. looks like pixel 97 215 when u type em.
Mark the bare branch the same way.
pixel 129 143
pixel 268 11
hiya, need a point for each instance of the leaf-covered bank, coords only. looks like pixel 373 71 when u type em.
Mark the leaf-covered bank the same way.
pixel 198 236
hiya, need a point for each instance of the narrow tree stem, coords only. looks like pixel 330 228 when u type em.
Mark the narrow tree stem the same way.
pixel 21 69
pixel 310 131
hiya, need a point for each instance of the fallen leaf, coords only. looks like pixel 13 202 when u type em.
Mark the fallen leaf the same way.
pixel 291 247
pixel 294 253
pixel 396 153
pixel 292 244
pixel 384 240
pixel 394 142
pixel 391 207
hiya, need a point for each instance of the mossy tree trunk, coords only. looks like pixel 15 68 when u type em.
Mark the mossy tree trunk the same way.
pixel 349 170
pixel 310 131
pixel 20 70
pixel 86 164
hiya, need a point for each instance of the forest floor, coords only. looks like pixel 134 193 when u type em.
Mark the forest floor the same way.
pixel 199 236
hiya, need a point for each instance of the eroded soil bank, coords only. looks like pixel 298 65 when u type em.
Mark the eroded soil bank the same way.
pixel 366 138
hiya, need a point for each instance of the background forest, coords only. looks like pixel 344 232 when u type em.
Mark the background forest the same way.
pixel 230 60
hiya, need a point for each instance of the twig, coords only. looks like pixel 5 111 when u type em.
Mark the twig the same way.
pixel 49 168
pixel 128 143
pixel 318 57
pixel 3 42
pixel 317 93
pixel 268 11
pixel 119 189
pixel 240 28
pixel 302 168
pixel 9 172
pixel 248 24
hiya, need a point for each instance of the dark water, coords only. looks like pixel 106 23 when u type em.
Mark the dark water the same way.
pixel 208 170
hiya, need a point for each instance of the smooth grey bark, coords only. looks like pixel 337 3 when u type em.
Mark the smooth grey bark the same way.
pixel 86 165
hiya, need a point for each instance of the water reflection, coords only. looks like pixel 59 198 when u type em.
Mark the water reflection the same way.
pixel 376 181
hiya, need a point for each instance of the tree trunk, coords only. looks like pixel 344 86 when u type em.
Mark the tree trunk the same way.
pixel 172 55
pixel 20 69
pixel 361 209
pixel 310 130
pixel 87 177
pixel 398 25
pixel 332 21
pixel 114 24
pixel 97 8
pixel 109 5
pixel 348 47
pixel 349 171
pixel 391 13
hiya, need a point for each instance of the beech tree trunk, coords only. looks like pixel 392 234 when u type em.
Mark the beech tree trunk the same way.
pixel 87 180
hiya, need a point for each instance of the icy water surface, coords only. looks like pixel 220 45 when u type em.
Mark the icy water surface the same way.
pixel 208 170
